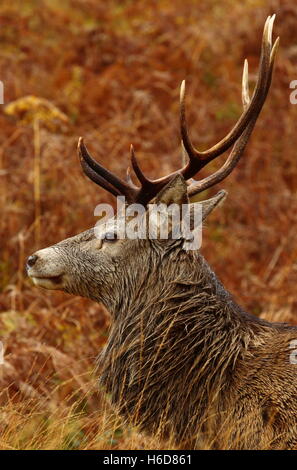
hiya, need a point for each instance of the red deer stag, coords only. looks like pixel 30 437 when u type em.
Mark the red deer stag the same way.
pixel 183 360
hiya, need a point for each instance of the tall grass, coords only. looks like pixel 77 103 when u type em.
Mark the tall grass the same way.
pixel 114 70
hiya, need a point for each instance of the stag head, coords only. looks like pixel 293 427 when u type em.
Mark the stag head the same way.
pixel 105 268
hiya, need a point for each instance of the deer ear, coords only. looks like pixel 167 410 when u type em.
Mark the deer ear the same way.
pixel 175 192
pixel 210 204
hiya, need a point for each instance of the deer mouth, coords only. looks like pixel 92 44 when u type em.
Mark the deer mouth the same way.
pixel 48 282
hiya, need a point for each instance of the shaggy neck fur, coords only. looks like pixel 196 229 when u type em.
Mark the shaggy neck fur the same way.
pixel 177 344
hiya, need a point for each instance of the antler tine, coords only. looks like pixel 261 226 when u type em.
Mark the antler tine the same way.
pixel 240 145
pixel 185 159
pixel 245 95
pixel 128 176
pixel 197 186
pixel 90 173
pixel 208 155
pixel 104 177
pixel 145 182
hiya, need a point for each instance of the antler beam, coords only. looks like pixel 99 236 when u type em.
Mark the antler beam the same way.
pixel 238 137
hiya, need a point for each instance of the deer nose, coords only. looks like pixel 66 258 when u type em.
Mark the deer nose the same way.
pixel 32 260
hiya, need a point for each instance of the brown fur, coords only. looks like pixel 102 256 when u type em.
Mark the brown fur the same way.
pixel 186 361
pixel 183 361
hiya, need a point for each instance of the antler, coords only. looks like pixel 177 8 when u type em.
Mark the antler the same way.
pixel 237 137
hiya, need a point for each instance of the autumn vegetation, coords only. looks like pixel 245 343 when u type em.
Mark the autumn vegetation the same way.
pixel 110 71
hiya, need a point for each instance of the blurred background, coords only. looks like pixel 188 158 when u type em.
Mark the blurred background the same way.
pixel 110 71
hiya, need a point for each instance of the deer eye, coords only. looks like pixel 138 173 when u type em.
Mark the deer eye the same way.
pixel 110 237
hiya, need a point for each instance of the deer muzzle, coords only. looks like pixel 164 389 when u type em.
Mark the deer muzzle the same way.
pixel 45 270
